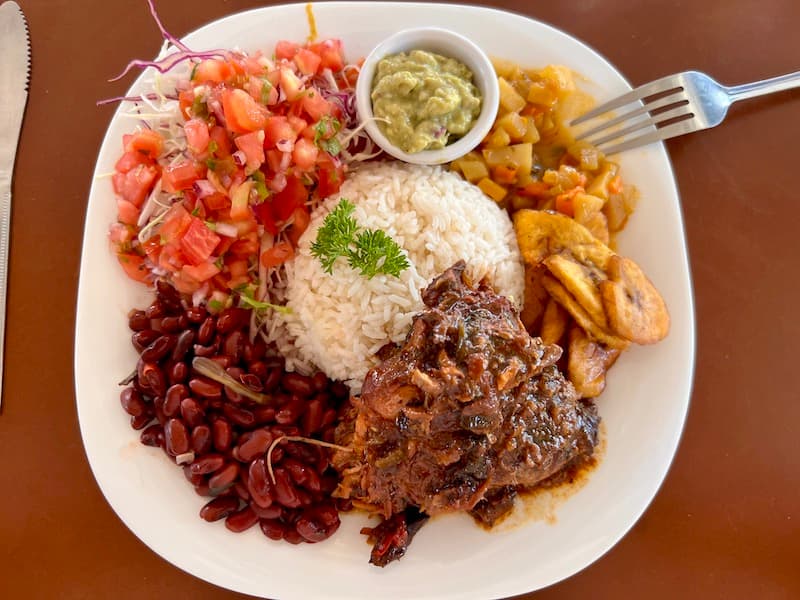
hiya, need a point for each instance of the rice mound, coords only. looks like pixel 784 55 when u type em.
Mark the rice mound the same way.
pixel 338 322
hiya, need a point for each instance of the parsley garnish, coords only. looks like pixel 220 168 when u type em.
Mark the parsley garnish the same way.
pixel 213 146
pixel 371 251
pixel 265 90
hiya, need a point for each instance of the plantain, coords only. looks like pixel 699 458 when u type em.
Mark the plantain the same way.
pixel 581 280
pixel 634 308
pixel 561 295
pixel 554 322
pixel 588 362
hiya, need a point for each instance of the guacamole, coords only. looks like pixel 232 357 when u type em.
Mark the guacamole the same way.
pixel 423 101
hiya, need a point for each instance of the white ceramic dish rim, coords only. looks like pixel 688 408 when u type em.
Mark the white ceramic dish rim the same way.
pixel 451 44
pixel 448 556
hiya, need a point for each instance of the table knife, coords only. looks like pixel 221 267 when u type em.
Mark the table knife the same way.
pixel 15 52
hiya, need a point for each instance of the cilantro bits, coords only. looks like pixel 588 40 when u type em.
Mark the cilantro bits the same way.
pixel 370 251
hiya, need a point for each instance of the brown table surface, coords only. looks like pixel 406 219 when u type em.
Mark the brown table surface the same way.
pixel 726 522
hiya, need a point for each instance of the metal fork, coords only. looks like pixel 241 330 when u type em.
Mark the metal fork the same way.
pixel 672 106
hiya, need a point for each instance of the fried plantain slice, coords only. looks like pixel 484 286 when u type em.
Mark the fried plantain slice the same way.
pixel 582 318
pixel 535 299
pixel 554 322
pixel 541 233
pixel 633 306
pixel 588 363
pixel 581 280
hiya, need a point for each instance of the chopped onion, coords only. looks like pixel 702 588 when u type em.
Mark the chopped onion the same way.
pixel 285 146
pixel 240 158
pixel 227 229
pixel 186 457
pixel 204 188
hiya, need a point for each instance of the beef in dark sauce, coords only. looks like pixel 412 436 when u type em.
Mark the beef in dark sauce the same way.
pixel 469 409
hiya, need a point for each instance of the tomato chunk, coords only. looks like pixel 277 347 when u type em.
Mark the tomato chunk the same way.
pixel 277 255
pixel 242 113
pixel 180 176
pixel 198 242
pixel 136 184
pixel 197 136
pixel 285 202
pixel 147 141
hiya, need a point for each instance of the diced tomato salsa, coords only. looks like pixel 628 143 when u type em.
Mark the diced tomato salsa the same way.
pixel 258 153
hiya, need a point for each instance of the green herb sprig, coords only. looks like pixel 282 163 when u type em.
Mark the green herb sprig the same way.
pixel 370 251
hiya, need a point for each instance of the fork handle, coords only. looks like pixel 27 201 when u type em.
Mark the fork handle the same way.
pixel 767 86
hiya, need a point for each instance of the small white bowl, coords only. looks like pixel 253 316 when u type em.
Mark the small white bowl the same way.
pixel 447 43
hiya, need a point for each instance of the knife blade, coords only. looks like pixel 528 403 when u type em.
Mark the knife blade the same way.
pixel 14 71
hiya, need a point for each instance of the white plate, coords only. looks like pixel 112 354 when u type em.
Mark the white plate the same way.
pixel 643 408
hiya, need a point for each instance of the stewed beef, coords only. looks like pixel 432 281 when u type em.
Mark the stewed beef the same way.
pixel 468 409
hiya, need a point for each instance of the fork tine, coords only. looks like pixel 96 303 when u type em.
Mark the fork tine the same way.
pixel 665 133
pixel 679 111
pixel 650 106
pixel 654 87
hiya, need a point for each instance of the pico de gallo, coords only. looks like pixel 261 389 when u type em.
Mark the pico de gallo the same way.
pixel 215 199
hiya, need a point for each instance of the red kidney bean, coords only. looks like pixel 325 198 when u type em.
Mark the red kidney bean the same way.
pixel 329 418
pixel 272 528
pixel 143 338
pixel 152 436
pixel 138 320
pixel 256 445
pixel 178 373
pixel 156 310
pixel 176 437
pixel 223 478
pixel 255 350
pixel 241 520
pixel 231 319
pixel 290 412
pixel 258 483
pixel 344 504
pixel 251 381
pixel 275 361
pixel 203 490
pixel 273 511
pixel 173 398
pixel 292 536
pixel 221 434
pixel 320 381
pixel 205 334
pixel 312 417
pixel 191 412
pixel 204 351
pixel 158 410
pixel 272 379
pixel 241 491
pixel 168 296
pixel 174 324
pixel 232 345
pixel 195 480
pixel 222 361
pixel 219 508
pixel 183 343
pixel 235 372
pixel 297 471
pixel 158 349
pixel 209 463
pixel 294 383
pixel 132 402
pixel 339 390
pixel 154 379
pixel 140 422
pixel 260 370
pixel 201 439
pixel 285 492
pixel 264 415
pixel 311 528
pixel 205 388
pixel 239 416
pixel 196 314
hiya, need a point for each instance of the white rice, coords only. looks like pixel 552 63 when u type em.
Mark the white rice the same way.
pixel 338 322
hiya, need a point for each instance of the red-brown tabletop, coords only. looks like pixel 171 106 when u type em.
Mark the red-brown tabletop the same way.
pixel 726 521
